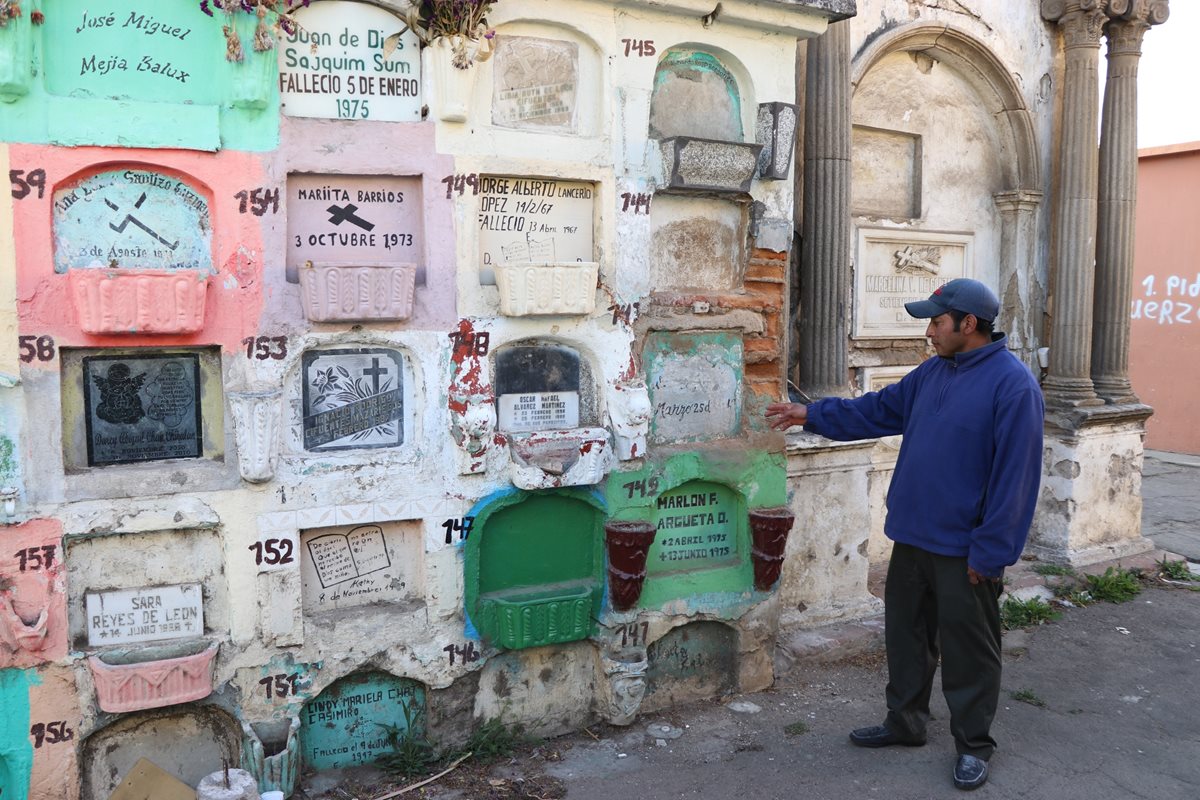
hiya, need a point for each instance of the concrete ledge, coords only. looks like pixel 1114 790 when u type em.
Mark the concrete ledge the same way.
pixel 827 645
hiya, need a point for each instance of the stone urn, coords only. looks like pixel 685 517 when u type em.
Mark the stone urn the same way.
pixel 626 674
pixel 627 543
pixel 450 64
pixel 257 419
pixel 769 532
pixel 271 753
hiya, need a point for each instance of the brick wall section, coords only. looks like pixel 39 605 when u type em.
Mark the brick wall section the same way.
pixel 766 279
pixel 765 290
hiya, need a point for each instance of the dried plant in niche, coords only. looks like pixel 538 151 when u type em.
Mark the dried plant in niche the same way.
pixel 274 17
pixel 9 9
pixel 462 22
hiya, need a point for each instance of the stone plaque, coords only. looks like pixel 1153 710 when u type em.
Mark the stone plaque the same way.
pixel 353 220
pixel 132 218
pixel 142 408
pixel 125 616
pixel 347 724
pixel 695 383
pixel 123 48
pixel 533 221
pixel 353 398
pixel 334 67
pixel 693 661
pixel 537 388
pixel 535 83
pixel 357 565
pixel 895 267
pixel 697 528
pixel 886 177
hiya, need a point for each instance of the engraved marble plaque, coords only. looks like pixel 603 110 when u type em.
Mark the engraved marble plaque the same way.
pixel 895 267
pixel 535 83
pixel 353 398
pixel 124 616
pixel 537 388
pixel 142 408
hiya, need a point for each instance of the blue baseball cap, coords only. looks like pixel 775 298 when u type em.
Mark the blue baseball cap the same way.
pixel 961 294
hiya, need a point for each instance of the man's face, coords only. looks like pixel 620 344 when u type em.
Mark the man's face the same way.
pixel 945 339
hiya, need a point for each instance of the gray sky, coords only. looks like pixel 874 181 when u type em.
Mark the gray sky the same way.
pixel 1168 78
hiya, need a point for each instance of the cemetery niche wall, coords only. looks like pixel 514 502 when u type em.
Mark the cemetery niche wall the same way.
pixel 115 74
pixel 350 569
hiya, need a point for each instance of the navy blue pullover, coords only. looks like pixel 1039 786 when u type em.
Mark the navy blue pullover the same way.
pixel 966 480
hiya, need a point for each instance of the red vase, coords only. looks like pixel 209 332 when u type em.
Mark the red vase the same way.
pixel 628 543
pixel 769 531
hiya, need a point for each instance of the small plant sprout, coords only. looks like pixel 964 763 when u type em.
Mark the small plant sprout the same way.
pixel 1028 696
pixel 1016 613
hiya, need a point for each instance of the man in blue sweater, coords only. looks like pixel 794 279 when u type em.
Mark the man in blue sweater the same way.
pixel 959 509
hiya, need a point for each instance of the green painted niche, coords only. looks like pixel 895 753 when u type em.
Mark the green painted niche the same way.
pixel 533 568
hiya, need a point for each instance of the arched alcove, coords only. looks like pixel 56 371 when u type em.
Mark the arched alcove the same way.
pixel 533 567
pixel 697 93
pixel 691 662
pixel 943 141
pixel 189 742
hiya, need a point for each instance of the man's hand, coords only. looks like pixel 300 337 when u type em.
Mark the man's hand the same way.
pixel 975 578
pixel 781 416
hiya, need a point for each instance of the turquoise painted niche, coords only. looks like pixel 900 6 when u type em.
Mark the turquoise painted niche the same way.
pixel 16 748
pixel 534 566
pixel 695 94
pixel 123 72
pixel 359 719
pixel 695 382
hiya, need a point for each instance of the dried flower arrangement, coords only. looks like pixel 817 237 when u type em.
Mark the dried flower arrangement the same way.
pixel 463 22
pixel 279 11
pixel 9 9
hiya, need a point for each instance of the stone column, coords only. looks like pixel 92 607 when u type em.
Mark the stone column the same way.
pixel 1022 287
pixel 1069 382
pixel 1128 23
pixel 824 318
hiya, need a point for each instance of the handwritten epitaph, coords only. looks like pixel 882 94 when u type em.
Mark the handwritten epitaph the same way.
pixel 122 48
pixel 535 83
pixel 132 218
pixel 537 388
pixel 350 722
pixel 695 385
pixel 533 221
pixel 353 398
pixel 898 267
pixel 334 65
pixel 356 566
pixel 142 408
pixel 697 528
pixel 126 616
pixel 353 220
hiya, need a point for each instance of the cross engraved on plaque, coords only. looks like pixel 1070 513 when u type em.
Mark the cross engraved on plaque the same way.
pixel 353 398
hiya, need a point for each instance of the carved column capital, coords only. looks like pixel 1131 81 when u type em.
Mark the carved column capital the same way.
pixel 1151 12
pixel 1081 21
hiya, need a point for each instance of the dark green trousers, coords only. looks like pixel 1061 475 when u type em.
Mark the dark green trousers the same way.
pixel 931 606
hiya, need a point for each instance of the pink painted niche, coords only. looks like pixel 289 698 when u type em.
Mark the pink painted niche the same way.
pixel 414 239
pixel 55 731
pixel 228 259
pixel 33 595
